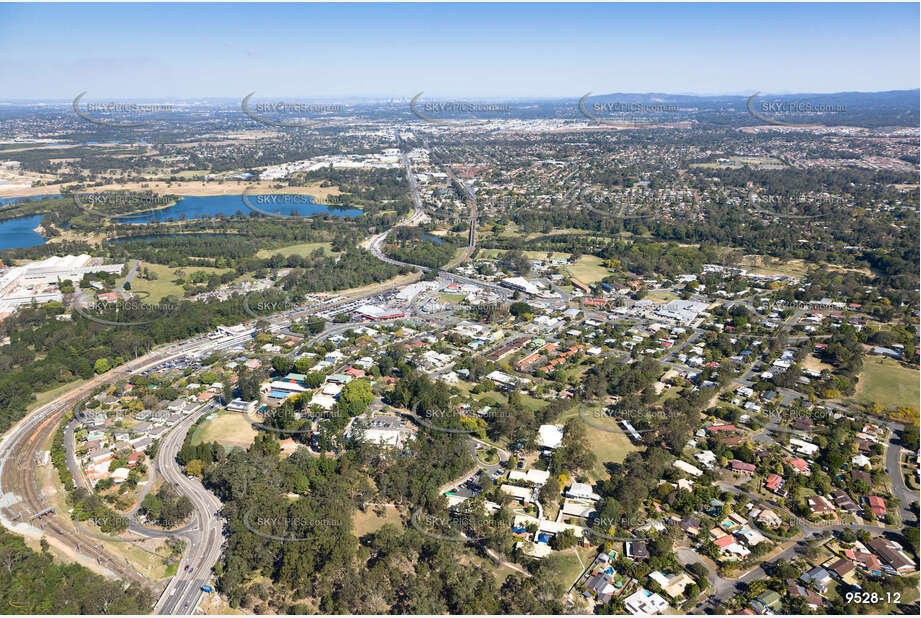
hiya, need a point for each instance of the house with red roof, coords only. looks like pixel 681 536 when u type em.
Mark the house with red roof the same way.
pixel 799 465
pixel 741 467
pixel 774 483
pixel 725 541
pixel 865 560
pixel 877 506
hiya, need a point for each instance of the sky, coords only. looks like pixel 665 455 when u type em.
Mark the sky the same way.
pixel 191 51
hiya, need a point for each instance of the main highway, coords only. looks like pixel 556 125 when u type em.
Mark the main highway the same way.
pixel 205 537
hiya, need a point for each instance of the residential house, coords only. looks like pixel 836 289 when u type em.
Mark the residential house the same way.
pixel 672 585
pixel 636 550
pixel 741 467
pixel 841 568
pixel 844 502
pixel 600 587
pixel 706 458
pixel 795 590
pixel 688 468
pixel 580 491
pixel 730 548
pixel 690 526
pixel 804 448
pixel 800 466
pixel 715 429
pixel 877 506
pixel 818 577
pixel 646 603
pixel 141 429
pixel 182 406
pixel 894 560
pixel 768 603
pixel 864 560
pixel 751 537
pixel 141 444
pixel 774 484
pixel 820 506
pixel 768 518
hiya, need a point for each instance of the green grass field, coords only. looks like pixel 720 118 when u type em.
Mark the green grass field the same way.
pixel 451 298
pixel 302 250
pixel 370 522
pixel 227 428
pixel 164 285
pixel 661 297
pixel 886 382
pixel 608 446
pixel 588 269
pixel 569 567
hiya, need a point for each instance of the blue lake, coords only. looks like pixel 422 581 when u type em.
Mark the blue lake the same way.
pixel 196 207
pixel 19 232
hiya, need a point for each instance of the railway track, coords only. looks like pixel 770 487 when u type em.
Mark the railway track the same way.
pixel 21 500
pixel 19 479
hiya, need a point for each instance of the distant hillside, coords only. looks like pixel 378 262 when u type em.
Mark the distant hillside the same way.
pixel 900 108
